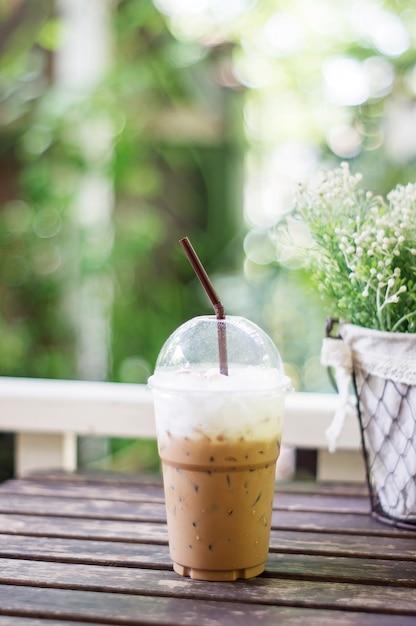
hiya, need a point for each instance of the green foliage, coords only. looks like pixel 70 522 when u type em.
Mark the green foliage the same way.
pixel 163 186
pixel 362 256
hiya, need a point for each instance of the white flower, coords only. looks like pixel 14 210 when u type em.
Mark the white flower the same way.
pixel 392 299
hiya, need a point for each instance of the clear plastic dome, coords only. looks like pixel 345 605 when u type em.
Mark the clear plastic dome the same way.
pixel 195 346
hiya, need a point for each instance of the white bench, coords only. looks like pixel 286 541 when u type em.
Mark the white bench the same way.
pixel 48 415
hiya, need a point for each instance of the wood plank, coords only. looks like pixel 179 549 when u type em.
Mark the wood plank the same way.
pixel 283 543
pixel 85 551
pixel 133 610
pixel 301 566
pixel 299 501
pixel 321 487
pixel 93 504
pixel 321 502
pixel 91 477
pixel 115 489
pixel 261 590
pixel 44 526
pixel 335 522
pixel 120 492
pixel 294 541
pixel 343 569
pixel 283 519
pixel 84 508
pixel 9 620
pixel 337 544
pixel 127 481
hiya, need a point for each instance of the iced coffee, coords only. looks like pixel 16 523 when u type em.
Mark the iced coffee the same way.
pixel 219 440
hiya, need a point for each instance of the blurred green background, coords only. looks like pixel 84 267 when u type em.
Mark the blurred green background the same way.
pixel 126 125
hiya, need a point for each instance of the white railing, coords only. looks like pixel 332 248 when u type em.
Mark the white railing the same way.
pixel 48 415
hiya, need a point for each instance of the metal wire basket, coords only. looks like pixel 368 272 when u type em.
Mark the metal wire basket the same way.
pixel 388 435
pixel 386 408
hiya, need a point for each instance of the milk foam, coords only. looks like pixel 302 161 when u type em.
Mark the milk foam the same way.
pixel 192 403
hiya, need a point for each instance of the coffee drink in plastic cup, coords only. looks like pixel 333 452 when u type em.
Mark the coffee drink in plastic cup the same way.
pixel 219 439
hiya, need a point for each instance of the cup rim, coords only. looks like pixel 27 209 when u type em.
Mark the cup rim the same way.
pixel 284 386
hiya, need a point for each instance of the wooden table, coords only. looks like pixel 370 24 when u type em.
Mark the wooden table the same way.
pixel 82 550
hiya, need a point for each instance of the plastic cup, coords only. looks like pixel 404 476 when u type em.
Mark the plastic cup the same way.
pixel 219 440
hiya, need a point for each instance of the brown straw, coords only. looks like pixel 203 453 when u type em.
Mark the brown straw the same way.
pixel 215 301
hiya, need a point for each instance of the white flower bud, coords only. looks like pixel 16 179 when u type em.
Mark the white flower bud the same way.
pixel 393 299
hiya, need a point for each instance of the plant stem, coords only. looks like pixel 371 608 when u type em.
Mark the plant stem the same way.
pixel 403 319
